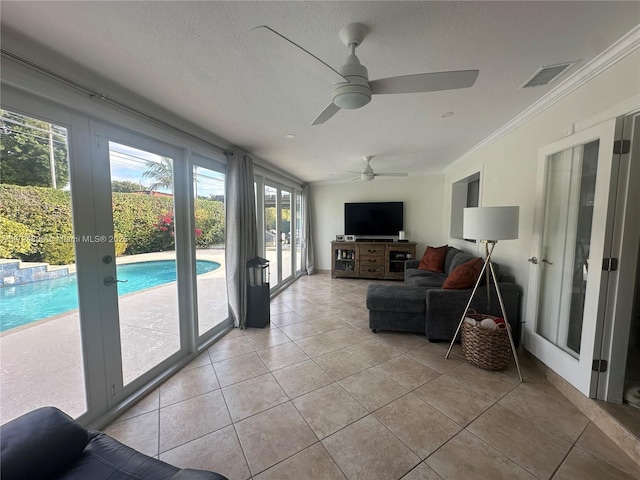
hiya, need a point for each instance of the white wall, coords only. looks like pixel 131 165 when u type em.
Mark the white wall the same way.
pixel 423 199
pixel 510 164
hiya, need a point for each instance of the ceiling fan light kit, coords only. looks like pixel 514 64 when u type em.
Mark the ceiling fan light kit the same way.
pixel 351 86
pixel 367 173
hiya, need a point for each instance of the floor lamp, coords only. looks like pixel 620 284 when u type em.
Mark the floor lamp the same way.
pixel 488 225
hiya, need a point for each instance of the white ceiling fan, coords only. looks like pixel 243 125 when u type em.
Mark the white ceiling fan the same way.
pixel 367 174
pixel 351 86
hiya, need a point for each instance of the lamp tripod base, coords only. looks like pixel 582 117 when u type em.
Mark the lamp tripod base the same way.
pixel 488 267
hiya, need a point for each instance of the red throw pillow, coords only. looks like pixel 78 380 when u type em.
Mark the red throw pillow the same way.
pixel 464 276
pixel 433 259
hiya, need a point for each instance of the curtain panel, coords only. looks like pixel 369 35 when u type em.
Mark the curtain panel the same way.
pixel 307 258
pixel 241 234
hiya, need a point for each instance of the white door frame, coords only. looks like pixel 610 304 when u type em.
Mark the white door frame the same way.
pixel 625 246
pixel 575 370
pixel 101 135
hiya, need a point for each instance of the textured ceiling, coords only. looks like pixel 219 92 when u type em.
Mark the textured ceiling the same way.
pixel 198 61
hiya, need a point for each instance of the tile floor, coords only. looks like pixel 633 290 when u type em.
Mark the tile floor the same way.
pixel 318 396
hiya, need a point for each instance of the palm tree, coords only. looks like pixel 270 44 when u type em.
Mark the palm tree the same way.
pixel 161 172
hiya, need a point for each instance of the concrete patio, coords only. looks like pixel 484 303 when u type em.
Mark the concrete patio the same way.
pixel 42 363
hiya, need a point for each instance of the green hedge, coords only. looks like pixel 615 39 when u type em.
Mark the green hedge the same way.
pixel 15 238
pixel 47 213
pixel 209 216
pixel 136 218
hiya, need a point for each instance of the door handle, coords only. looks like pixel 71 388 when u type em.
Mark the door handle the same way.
pixel 544 260
pixel 533 260
pixel 108 281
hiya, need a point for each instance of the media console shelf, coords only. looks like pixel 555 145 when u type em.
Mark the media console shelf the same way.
pixel 371 259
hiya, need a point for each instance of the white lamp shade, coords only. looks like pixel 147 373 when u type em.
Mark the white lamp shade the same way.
pixel 491 223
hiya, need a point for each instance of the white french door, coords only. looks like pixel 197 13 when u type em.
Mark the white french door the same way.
pixel 105 198
pixel 142 331
pixel 280 232
pixel 212 307
pixel 573 224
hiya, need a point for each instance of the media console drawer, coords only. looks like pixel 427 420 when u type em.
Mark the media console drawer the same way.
pixel 369 271
pixel 371 251
pixel 371 260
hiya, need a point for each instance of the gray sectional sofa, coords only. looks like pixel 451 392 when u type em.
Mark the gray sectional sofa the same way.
pixel 422 306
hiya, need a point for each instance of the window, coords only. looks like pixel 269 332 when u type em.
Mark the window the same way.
pixel 41 343
pixel 208 227
pixel 464 193
pixel 125 229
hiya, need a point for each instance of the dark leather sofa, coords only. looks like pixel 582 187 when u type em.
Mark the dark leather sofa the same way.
pixel 48 444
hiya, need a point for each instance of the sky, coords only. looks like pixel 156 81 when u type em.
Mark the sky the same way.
pixel 129 164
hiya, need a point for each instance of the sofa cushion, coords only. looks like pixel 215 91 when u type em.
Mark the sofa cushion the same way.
pixel 451 252
pixel 458 259
pixel 40 444
pixel 433 259
pixel 395 298
pixel 464 276
pixel 434 280
pixel 413 272
pixel 105 458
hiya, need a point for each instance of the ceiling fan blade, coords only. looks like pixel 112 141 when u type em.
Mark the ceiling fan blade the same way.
pixel 297 53
pixel 391 174
pixel 425 82
pixel 329 111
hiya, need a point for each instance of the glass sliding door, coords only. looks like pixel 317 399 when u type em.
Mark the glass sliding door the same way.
pixel 280 227
pixel 97 229
pixel 284 216
pixel 143 207
pixel 209 228
pixel 41 339
pixel 297 233
pixel 271 236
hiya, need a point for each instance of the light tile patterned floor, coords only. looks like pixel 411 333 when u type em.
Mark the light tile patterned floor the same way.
pixel 318 396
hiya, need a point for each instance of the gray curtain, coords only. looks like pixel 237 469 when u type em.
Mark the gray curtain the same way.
pixel 241 234
pixel 308 261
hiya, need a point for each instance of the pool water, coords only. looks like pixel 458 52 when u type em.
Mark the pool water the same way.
pixel 22 304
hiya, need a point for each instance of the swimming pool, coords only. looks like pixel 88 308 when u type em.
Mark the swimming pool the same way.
pixel 22 304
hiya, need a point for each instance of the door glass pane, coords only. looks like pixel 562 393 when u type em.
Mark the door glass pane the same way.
pixel 570 191
pixel 209 224
pixel 285 232
pixel 297 233
pixel 41 354
pixel 271 240
pixel 143 222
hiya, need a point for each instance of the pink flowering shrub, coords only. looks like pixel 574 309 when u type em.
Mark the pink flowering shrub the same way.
pixel 165 237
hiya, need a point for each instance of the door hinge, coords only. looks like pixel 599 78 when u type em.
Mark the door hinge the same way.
pixel 599 366
pixel 621 147
pixel 609 264
pixel 113 389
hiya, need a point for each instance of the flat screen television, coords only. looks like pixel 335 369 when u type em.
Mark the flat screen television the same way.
pixel 373 218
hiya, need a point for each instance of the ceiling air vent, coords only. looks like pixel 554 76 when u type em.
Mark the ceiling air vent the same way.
pixel 547 74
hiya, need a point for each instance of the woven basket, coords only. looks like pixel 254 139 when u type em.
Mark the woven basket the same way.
pixel 486 348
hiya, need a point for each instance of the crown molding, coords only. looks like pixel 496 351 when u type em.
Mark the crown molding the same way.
pixel 616 52
pixel 629 105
